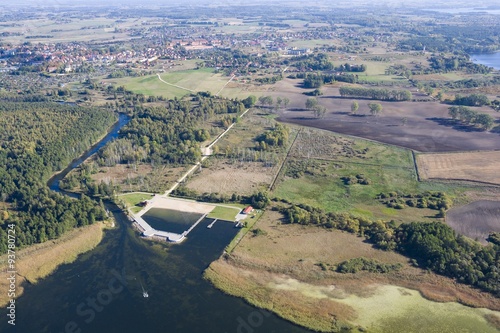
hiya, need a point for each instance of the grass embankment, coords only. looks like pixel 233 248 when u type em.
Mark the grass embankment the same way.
pixel 38 261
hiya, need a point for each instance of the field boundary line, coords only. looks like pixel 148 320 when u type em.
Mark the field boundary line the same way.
pixel 463 180
pixel 273 182
pixel 359 163
pixel 458 152
pixel 415 164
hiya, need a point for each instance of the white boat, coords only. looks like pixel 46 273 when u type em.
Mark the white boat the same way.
pixel 144 292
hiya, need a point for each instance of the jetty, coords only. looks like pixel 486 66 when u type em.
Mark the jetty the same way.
pixel 149 231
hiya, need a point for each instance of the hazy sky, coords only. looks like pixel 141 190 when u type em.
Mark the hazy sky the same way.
pixel 428 3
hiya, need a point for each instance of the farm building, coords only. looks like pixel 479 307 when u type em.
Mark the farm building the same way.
pixel 248 210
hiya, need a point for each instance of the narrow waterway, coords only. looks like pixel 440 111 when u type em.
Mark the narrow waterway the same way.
pixel 103 290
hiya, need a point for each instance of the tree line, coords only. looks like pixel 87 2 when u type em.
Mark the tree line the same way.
pixel 471 100
pixel 471 117
pixel 433 245
pixel 316 80
pixel 376 93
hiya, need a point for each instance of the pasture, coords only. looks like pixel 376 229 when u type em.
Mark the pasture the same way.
pixel 175 83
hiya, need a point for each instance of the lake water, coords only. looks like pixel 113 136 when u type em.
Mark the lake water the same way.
pixel 170 220
pixel 487 59
pixel 102 290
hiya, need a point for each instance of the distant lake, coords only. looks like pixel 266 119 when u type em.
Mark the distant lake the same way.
pixel 487 59
pixel 492 11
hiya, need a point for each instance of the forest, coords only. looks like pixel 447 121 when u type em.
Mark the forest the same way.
pixel 169 133
pixel 38 139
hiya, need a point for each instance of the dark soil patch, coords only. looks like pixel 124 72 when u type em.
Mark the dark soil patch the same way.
pixel 475 220
pixel 422 126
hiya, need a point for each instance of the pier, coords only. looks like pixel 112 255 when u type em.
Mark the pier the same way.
pixel 149 231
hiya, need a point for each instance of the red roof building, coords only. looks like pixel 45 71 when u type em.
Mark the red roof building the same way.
pixel 248 210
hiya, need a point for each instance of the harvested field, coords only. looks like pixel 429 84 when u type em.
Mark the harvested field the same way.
pixel 472 166
pixel 475 220
pixel 226 177
pixel 427 128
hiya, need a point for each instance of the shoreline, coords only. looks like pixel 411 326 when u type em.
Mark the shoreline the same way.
pixel 288 270
pixel 40 260
pixel 321 307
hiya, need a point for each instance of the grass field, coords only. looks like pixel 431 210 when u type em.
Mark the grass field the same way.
pixel 224 213
pixel 179 84
pixel 473 166
pixel 142 177
pixel 318 161
pixel 312 43
pixel 133 199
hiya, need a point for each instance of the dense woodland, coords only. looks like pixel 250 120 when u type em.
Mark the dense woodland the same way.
pixel 169 133
pixel 316 80
pixel 434 246
pixel 37 140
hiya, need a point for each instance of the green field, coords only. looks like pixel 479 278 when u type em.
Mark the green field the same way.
pixel 133 199
pixel 224 213
pixel 178 84
pixel 318 180
pixel 312 43
pixel 375 70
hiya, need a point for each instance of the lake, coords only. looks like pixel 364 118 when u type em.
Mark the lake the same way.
pixel 102 290
pixel 487 59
